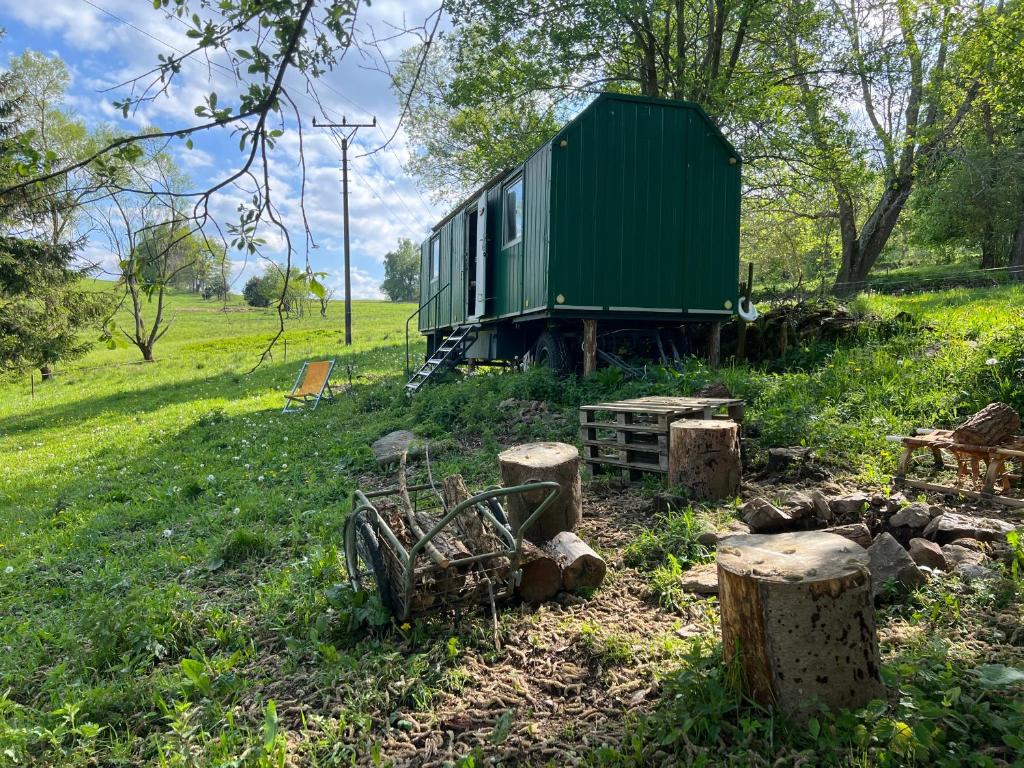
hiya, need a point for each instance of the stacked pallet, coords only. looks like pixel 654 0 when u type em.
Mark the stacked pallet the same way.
pixel 632 436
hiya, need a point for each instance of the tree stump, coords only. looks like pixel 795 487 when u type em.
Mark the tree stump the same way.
pixel 540 577
pixel 798 615
pixel 990 426
pixel 543 461
pixel 581 566
pixel 704 457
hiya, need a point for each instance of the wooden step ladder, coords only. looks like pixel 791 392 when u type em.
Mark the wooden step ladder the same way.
pixel 448 355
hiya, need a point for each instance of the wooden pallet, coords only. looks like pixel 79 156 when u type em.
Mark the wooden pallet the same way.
pixel 631 436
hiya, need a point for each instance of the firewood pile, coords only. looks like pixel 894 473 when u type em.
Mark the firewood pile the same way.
pixel 795 325
pixel 476 554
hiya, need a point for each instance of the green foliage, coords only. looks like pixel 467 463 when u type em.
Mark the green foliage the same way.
pixel 175 560
pixel 402 272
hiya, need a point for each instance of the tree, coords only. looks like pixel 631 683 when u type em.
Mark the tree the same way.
pixel 43 307
pixel 973 194
pixel 258 43
pixel 512 73
pixel 402 272
pixel 257 292
pixel 149 233
pixel 216 287
pixel 898 57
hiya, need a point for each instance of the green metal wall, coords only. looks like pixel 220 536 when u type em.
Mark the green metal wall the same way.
pixel 645 209
pixel 633 206
pixel 520 269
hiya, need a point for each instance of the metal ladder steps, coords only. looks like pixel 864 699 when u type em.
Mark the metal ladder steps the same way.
pixel 448 354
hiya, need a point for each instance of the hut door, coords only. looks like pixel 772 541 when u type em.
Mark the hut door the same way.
pixel 480 261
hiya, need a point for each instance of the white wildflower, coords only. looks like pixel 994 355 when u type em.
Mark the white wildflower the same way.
pixel 992 361
pixel 9 569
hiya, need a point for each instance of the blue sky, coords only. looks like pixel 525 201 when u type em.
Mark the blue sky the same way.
pixel 105 42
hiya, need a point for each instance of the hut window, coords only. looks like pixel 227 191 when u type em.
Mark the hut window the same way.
pixel 513 213
pixel 435 258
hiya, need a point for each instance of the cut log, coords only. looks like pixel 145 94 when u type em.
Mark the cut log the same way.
pixel 581 566
pixel 704 457
pixel 540 577
pixel 543 461
pixel 474 532
pixel 798 616
pixel 990 426
pixel 441 550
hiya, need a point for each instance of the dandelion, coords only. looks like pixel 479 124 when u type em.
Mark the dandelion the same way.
pixel 9 569
pixel 406 626
pixel 210 479
pixel 992 361
pixel 168 533
pixel 235 511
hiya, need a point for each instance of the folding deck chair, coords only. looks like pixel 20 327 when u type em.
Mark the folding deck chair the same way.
pixel 312 384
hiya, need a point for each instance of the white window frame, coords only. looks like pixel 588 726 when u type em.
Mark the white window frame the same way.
pixel 434 265
pixel 517 182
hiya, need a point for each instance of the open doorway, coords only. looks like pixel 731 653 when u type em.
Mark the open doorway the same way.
pixel 470 256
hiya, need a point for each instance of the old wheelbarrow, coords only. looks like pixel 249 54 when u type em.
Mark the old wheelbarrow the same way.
pixel 412 567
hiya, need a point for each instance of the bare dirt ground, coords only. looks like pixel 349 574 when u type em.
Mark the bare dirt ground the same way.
pixel 568 672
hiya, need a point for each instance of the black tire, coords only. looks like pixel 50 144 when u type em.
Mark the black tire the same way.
pixel 369 552
pixel 552 351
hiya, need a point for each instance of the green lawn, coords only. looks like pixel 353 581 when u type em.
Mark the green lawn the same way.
pixel 169 541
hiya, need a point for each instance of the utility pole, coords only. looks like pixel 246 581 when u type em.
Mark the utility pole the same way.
pixel 345 139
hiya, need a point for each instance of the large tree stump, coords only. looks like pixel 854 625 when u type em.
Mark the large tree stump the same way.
pixel 543 461
pixel 990 426
pixel 540 577
pixel 581 566
pixel 797 613
pixel 704 457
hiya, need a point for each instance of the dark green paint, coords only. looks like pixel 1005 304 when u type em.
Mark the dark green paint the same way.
pixel 632 207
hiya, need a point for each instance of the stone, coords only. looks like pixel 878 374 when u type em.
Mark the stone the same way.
pixel 799 504
pixel 878 500
pixel 951 526
pixel 849 506
pixel 764 517
pixel 390 447
pixel 890 562
pixel 956 556
pixel 782 459
pixel 821 507
pixel 711 538
pixel 856 532
pixel 913 516
pixel 972 572
pixel 664 503
pixel 701 580
pixel 935 510
pixel 928 554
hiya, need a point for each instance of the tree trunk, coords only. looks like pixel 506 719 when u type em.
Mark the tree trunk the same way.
pixel 581 566
pixel 540 577
pixel 798 616
pixel 989 248
pixel 543 461
pixel 990 426
pixel 704 457
pixel 861 250
pixel 1017 250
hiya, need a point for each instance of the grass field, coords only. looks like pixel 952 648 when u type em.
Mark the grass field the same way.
pixel 170 549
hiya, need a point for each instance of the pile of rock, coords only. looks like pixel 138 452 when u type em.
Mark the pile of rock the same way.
pixel 905 541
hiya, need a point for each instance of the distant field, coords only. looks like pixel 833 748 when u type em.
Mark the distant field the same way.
pixel 170 542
